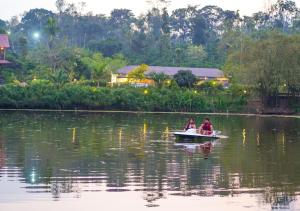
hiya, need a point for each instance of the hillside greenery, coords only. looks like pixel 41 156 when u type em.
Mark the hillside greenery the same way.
pixel 72 47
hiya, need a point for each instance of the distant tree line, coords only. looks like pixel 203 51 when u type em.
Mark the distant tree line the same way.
pixel 189 36
pixel 260 51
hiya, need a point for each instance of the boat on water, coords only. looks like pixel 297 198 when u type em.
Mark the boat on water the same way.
pixel 192 134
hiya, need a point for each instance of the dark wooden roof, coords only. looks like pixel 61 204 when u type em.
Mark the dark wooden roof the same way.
pixel 198 72
pixel 4 43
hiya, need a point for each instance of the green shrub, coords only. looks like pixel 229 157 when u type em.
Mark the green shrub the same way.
pixel 44 94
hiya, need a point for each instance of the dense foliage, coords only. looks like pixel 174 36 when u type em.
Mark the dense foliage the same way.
pixel 185 78
pixel 43 94
pixel 73 46
pixel 191 36
pixel 138 73
pixel 271 65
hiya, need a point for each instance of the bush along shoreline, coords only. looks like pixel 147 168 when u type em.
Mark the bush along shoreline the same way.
pixel 41 95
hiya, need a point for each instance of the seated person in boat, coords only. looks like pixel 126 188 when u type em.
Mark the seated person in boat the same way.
pixel 206 127
pixel 190 124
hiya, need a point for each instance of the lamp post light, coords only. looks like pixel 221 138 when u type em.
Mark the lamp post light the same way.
pixel 36 35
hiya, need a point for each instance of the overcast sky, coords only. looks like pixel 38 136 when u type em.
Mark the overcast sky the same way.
pixel 10 8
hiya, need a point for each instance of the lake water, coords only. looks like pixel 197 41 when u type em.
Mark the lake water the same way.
pixel 127 161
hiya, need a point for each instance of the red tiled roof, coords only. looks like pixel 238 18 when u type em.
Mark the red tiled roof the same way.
pixel 4 43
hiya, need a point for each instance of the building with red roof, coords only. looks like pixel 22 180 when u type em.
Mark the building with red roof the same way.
pixel 4 44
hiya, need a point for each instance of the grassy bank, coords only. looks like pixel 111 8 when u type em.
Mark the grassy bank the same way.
pixel 41 95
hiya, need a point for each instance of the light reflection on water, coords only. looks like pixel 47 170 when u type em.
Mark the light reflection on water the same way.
pixel 46 157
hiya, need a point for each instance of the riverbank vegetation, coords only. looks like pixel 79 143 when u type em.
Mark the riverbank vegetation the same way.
pixel 271 66
pixel 73 52
pixel 44 94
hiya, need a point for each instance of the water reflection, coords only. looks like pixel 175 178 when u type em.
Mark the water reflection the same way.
pixel 2 153
pixel 69 154
pixel 204 148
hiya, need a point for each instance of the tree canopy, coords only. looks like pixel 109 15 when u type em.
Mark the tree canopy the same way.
pixel 89 46
pixel 191 36
pixel 271 64
pixel 138 73
pixel 185 78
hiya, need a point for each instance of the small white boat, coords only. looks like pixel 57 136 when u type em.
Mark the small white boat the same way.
pixel 192 134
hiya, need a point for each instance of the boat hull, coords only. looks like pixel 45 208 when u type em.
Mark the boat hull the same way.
pixel 189 138
pixel 193 136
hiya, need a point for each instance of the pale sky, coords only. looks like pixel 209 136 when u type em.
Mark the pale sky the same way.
pixel 10 8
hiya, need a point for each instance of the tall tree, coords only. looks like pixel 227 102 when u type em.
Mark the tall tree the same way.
pixel 181 23
pixel 282 14
pixel 271 63
pixel 51 31
pixel 35 20
pixel 2 24
pixel 185 78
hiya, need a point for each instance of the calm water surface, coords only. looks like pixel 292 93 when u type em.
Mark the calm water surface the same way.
pixel 125 161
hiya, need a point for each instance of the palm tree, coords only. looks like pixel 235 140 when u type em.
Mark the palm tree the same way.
pixel 159 78
pixel 51 30
pixel 59 78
